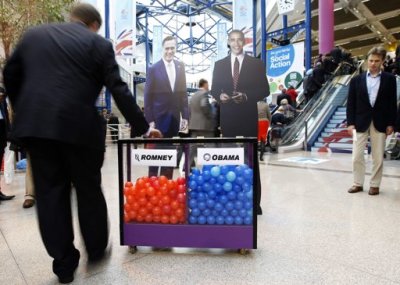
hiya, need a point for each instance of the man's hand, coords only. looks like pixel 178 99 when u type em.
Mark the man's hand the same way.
pixel 224 98
pixel 389 130
pixel 184 125
pixel 239 97
pixel 154 133
pixel 152 125
pixel 350 129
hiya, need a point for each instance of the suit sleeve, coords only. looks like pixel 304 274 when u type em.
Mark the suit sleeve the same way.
pixel 351 103
pixel 184 97
pixel 148 96
pixel 13 75
pixel 393 102
pixel 121 93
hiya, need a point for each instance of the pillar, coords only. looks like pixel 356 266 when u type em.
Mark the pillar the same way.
pixel 326 25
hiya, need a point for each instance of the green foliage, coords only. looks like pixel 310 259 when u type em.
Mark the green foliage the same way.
pixel 17 15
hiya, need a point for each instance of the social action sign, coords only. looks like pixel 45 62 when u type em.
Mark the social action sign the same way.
pixel 285 66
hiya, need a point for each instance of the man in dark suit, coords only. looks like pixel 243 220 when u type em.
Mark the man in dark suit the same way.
pixel 165 97
pixel 371 111
pixel 53 79
pixel 239 82
pixel 4 128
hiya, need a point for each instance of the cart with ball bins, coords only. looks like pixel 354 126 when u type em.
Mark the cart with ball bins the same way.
pixel 188 192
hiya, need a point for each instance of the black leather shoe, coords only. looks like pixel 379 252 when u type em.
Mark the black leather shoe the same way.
pixel 5 197
pixel 66 279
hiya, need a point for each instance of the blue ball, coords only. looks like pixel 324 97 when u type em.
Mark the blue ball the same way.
pixel 238 205
pixel 214 213
pixel 230 176
pixel 192 220
pixel 195 212
pixel 249 195
pixel 229 206
pixel 217 187
pixel 193 177
pixel 248 205
pixel 200 180
pixel 212 180
pixel 210 203
pixel 201 220
pixel 238 221
pixel 234 213
pixel 199 188
pixel 206 175
pixel 241 196
pixel 192 194
pixel 237 188
pixel 207 167
pixel 231 195
pixel 202 205
pixel 212 194
pixel 195 171
pixel 223 199
pixel 207 212
pixel 224 213
pixel 250 213
pixel 201 197
pixel 239 180
pixel 243 213
pixel 224 169
pixel 218 207
pixel 227 186
pixel 239 170
pixel 220 220
pixel 192 184
pixel 215 171
pixel 211 220
pixel 246 187
pixel 248 220
pixel 192 203
pixel 248 174
pixel 207 187
pixel 221 179
pixel 228 220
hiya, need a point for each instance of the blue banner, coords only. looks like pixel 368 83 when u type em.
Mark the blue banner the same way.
pixel 222 41
pixel 243 20
pixel 157 43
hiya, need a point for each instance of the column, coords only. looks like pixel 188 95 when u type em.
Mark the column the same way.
pixel 326 25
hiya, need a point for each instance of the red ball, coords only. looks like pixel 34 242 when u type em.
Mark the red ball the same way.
pixel 140 183
pixel 150 191
pixel 142 201
pixel 126 218
pixel 140 218
pixel 181 180
pixel 179 213
pixel 128 184
pixel 130 199
pixel 156 219
pixel 173 193
pixel 174 205
pixel 148 218
pixel 135 206
pixel 173 219
pixel 166 209
pixel 181 198
pixel 171 184
pixel 156 211
pixel 164 219
pixel 142 212
pixel 182 188
pixel 154 200
pixel 166 200
pixel 163 180
pixel 127 207
pixel 132 215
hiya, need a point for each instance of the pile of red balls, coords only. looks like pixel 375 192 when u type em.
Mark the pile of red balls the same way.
pixel 155 200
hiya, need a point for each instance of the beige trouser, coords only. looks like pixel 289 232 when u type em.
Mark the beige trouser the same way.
pixel 378 141
pixel 29 190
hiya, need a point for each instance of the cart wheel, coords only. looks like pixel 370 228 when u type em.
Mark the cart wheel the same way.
pixel 243 251
pixel 132 249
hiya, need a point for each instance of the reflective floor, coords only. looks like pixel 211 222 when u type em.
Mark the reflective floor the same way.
pixel 312 232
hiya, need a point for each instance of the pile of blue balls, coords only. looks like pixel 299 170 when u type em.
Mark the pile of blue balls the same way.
pixel 221 195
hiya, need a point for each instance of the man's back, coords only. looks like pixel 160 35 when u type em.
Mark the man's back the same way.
pixel 201 113
pixel 64 69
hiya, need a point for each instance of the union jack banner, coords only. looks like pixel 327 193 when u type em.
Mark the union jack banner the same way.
pixel 125 31
pixel 124 43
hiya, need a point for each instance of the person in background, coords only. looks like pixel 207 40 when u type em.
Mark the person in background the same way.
pixel 4 129
pixel 288 111
pixel 63 134
pixel 283 96
pixel 293 96
pixel 113 121
pixel 264 119
pixel 371 112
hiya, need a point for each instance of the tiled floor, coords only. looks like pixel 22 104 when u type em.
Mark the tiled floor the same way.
pixel 312 232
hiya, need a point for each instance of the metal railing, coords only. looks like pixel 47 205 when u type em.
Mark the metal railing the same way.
pixel 122 131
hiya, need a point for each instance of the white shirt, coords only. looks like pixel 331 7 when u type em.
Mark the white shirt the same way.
pixel 240 57
pixel 373 83
pixel 171 72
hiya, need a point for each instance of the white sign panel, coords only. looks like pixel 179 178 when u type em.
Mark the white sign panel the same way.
pixel 220 156
pixel 154 157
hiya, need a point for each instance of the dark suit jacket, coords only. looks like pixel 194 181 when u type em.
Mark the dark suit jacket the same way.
pixel 53 79
pixel 5 127
pixel 201 112
pixel 240 119
pixel 162 105
pixel 360 113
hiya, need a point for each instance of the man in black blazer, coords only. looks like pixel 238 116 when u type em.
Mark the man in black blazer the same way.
pixel 371 111
pixel 165 97
pixel 239 82
pixel 53 79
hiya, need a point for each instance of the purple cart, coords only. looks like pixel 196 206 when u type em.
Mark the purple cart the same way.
pixel 218 204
